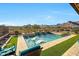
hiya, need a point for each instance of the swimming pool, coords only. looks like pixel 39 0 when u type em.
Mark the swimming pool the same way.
pixel 37 40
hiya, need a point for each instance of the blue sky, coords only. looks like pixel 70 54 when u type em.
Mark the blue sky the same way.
pixel 22 14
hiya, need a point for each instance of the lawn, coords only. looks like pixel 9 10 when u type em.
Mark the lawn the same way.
pixel 12 42
pixel 59 49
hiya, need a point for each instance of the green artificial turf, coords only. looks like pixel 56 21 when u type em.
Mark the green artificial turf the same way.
pixel 59 49
pixel 12 42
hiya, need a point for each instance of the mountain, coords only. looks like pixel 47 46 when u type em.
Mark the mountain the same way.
pixel 74 23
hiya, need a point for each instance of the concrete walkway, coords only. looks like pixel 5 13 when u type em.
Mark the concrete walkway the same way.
pixel 21 45
pixel 52 43
pixel 73 51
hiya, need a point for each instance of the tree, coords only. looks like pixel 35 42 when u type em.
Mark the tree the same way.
pixel 17 33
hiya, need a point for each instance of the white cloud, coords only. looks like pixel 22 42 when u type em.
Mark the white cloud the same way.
pixel 49 17
pixel 7 23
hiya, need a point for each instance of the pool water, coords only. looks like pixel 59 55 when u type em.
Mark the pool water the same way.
pixel 37 40
pixel 49 37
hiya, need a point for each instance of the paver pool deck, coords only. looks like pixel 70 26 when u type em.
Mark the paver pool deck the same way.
pixel 21 44
pixel 73 51
pixel 52 43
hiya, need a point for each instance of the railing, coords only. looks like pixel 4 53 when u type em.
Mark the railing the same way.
pixel 7 51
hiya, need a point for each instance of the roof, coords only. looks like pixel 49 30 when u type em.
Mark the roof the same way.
pixel 75 6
